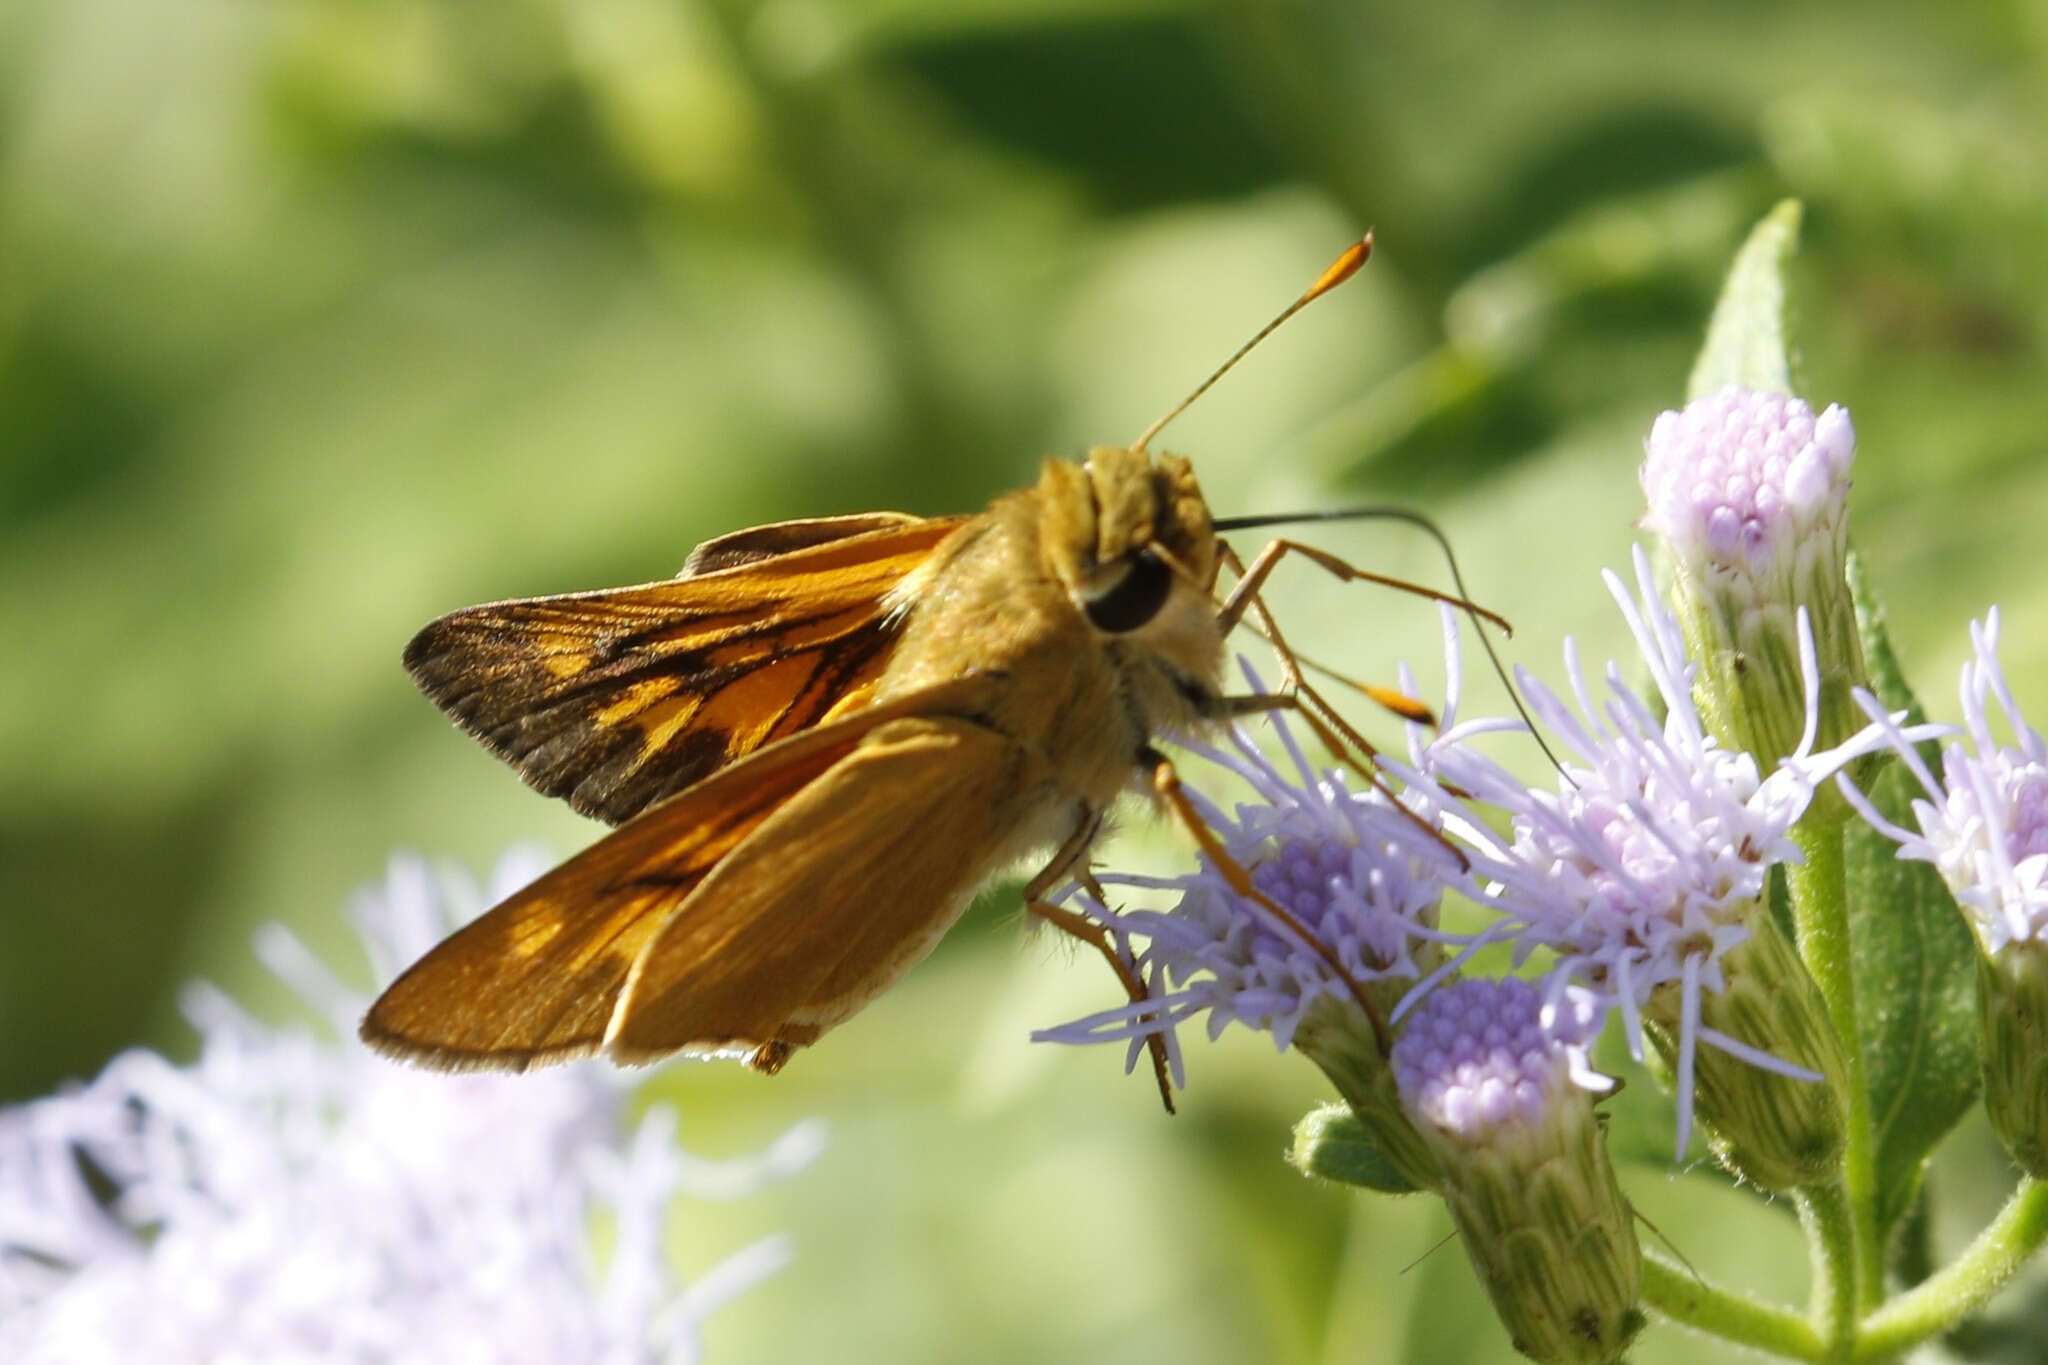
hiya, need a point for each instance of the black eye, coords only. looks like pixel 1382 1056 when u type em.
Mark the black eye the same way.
pixel 1135 598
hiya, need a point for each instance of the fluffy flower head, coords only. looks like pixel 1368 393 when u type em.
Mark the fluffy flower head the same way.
pixel 1740 478
pixel 1350 885
pixel 1639 867
pixel 1481 1055
pixel 1643 869
pixel 1984 823
pixel 290 1197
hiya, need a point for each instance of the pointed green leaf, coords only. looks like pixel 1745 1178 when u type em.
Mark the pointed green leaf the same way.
pixel 1331 1143
pixel 1887 679
pixel 1746 339
pixel 1914 962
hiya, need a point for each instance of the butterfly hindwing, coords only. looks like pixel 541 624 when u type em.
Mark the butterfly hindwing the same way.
pixel 834 897
pixel 537 977
pixel 616 699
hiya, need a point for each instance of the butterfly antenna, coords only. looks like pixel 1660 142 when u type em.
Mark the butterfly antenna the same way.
pixel 1342 269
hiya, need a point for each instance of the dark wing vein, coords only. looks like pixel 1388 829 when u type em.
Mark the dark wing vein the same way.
pixel 615 700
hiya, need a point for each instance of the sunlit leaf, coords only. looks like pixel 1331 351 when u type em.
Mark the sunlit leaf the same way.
pixel 1913 959
pixel 1746 339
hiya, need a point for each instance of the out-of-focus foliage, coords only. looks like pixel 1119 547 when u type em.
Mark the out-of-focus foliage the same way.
pixel 320 317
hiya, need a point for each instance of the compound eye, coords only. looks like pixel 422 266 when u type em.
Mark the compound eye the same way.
pixel 1135 598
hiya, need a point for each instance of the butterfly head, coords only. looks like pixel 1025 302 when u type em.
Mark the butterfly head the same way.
pixel 1127 534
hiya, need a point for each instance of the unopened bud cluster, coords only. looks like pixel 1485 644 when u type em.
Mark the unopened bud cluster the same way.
pixel 1748 491
pixel 1501 1098
pixel 1782 1125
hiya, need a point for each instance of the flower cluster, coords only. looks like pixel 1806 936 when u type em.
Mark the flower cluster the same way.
pixel 1639 877
pixel 287 1196
pixel 1500 1086
pixel 1748 491
pixel 1984 826
pixel 1744 483
pixel 1984 822
pixel 1485 1055
pixel 1346 883
pixel 1642 874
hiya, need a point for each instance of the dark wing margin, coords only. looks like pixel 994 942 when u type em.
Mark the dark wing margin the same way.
pixel 614 700
pixel 786 537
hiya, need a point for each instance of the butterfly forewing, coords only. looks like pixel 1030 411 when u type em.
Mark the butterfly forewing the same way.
pixel 616 699
pixel 756 543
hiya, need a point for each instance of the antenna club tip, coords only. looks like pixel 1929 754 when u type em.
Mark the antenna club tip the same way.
pixel 1343 268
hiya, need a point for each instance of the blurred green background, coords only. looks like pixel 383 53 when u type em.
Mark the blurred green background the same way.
pixel 321 317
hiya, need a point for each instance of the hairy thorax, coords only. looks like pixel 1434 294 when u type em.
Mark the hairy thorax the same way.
pixel 1008 597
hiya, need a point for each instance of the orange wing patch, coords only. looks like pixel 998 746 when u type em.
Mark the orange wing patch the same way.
pixel 617 699
pixel 538 977
pixel 834 897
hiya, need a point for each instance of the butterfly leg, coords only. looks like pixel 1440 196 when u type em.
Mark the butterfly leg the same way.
pixel 1166 784
pixel 1320 715
pixel 1263 703
pixel 1071 861
pixel 1244 597
pixel 1263 563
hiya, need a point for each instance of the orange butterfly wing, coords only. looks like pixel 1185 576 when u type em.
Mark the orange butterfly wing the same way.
pixel 538 978
pixel 616 699
pixel 835 896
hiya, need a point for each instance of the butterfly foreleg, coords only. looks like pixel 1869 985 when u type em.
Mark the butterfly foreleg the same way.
pixel 1071 861
pixel 1254 576
pixel 1244 596
pixel 1336 733
pixel 1166 784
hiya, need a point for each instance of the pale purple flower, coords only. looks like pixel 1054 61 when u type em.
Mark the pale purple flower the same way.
pixel 1498 1085
pixel 289 1197
pixel 1749 492
pixel 1743 481
pixel 1639 870
pixel 1984 824
pixel 1360 880
pixel 1481 1056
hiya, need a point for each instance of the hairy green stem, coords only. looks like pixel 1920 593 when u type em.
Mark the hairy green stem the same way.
pixel 1960 1287
pixel 1825 1213
pixel 1820 913
pixel 1681 1296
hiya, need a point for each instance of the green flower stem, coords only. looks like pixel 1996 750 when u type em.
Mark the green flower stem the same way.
pixel 1962 1286
pixel 1824 1211
pixel 1341 1045
pixel 1820 913
pixel 1683 1297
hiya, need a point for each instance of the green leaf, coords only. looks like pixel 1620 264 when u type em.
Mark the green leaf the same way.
pixel 1746 339
pixel 1914 960
pixel 1331 1143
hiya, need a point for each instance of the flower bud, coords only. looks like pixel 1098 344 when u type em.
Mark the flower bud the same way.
pixel 1748 491
pixel 1984 827
pixel 1338 1036
pixel 2012 1013
pixel 1502 1099
pixel 1769 1086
